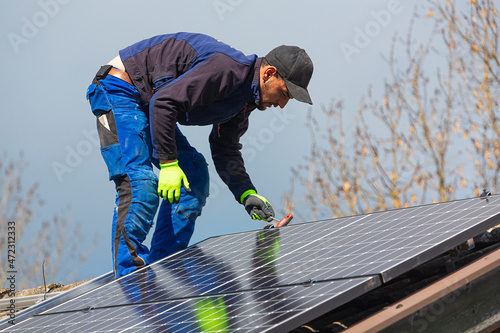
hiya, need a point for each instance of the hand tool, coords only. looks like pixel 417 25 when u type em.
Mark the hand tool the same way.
pixel 279 223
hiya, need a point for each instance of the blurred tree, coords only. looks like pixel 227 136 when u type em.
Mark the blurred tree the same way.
pixel 476 33
pixel 435 124
pixel 51 243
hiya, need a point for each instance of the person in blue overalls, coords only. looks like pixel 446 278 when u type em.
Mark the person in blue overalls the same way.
pixel 191 79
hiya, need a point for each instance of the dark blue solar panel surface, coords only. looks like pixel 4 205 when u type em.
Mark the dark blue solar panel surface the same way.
pixel 261 278
pixel 247 311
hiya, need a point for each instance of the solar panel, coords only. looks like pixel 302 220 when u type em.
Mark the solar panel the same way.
pixel 247 311
pixel 274 279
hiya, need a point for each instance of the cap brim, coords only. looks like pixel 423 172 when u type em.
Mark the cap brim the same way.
pixel 298 93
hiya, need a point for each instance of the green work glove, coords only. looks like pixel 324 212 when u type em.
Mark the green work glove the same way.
pixel 257 206
pixel 170 180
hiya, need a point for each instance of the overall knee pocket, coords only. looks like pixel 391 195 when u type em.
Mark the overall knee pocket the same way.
pixel 110 148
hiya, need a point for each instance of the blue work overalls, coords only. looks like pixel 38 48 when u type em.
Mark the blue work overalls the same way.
pixel 126 148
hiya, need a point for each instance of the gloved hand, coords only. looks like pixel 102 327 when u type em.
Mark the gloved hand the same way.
pixel 257 206
pixel 170 180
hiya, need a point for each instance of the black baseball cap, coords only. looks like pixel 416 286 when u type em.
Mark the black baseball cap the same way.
pixel 296 68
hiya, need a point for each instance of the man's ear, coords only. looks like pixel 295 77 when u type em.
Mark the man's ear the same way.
pixel 270 72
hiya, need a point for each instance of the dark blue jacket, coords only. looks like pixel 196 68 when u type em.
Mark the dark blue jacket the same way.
pixel 194 79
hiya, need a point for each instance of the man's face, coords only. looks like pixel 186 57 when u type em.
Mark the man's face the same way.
pixel 273 91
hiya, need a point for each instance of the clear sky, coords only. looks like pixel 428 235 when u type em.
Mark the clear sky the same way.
pixel 51 50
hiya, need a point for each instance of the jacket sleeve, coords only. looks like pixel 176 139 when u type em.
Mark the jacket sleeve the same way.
pixel 205 82
pixel 226 154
